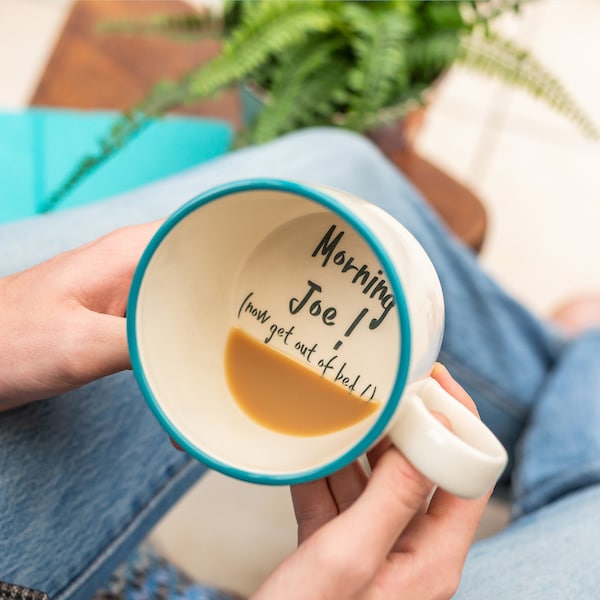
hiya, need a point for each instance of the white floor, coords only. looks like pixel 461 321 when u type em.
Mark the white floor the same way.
pixel 532 169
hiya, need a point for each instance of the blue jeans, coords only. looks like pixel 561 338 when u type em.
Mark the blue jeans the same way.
pixel 85 476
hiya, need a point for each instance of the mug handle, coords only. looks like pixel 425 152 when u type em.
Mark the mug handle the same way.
pixel 466 461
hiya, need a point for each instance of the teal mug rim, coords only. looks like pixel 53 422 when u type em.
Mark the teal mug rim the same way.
pixel 324 199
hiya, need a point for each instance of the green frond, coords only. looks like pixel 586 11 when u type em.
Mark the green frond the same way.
pixel 291 97
pixel 212 77
pixel 428 56
pixel 254 13
pixel 163 96
pixel 281 27
pixel 485 12
pixel 498 57
pixel 316 104
pixel 444 15
pixel 380 66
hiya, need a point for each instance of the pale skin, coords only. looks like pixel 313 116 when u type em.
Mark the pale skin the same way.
pixel 376 538
pixel 62 325
pixel 62 322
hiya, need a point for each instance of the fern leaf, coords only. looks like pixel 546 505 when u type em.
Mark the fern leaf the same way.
pixel 381 64
pixel 163 97
pixel 428 56
pixel 313 106
pixel 253 13
pixel 443 15
pixel 286 106
pixel 282 27
pixel 501 58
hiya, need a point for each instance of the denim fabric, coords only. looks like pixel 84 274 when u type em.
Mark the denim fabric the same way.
pixel 560 450
pixel 550 554
pixel 85 476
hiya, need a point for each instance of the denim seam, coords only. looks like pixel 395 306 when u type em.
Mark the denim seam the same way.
pixel 92 567
pixel 550 490
pixel 493 393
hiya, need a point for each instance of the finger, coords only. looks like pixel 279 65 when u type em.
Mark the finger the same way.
pixel 111 344
pixel 450 510
pixel 101 347
pixel 454 518
pixel 444 501
pixel 378 451
pixel 375 454
pixel 347 485
pixel 443 377
pixel 450 521
pixel 394 495
pixel 105 267
pixel 313 506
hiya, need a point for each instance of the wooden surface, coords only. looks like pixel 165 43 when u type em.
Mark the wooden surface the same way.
pixel 92 69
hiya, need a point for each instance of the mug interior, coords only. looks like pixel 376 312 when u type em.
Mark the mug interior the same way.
pixel 192 288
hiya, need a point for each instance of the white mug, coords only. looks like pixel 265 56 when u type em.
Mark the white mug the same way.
pixel 330 281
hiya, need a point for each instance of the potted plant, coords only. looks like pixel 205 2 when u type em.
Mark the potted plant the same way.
pixel 347 63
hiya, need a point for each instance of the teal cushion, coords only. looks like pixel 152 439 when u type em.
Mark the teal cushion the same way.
pixel 40 147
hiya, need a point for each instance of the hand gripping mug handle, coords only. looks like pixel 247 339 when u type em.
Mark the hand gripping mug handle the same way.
pixel 466 461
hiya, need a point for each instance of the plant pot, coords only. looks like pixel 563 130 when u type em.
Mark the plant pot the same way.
pixel 395 136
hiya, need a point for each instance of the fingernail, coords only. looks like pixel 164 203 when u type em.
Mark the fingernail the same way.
pixel 439 368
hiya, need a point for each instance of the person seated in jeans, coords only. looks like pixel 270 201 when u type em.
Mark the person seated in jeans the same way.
pixel 86 471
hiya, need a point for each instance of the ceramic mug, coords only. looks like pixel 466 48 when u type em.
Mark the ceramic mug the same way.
pixel 330 281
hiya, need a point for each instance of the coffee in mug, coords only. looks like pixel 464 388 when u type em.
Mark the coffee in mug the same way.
pixel 283 395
